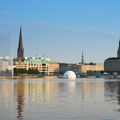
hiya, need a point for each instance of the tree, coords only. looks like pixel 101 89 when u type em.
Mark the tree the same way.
pixel 15 71
pixel 36 71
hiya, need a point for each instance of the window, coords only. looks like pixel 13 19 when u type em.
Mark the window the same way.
pixel 43 64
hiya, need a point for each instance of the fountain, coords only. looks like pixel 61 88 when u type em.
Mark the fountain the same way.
pixel 6 57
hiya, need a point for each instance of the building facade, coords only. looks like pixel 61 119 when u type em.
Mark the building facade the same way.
pixel 113 64
pixel 78 68
pixel 63 67
pixel 45 67
pixel 5 64
pixel 90 67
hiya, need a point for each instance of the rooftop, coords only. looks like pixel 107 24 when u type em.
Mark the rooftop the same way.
pixel 113 59
pixel 34 60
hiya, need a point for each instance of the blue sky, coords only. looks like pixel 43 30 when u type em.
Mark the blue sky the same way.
pixel 61 29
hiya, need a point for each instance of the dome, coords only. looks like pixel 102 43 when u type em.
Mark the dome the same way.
pixel 70 75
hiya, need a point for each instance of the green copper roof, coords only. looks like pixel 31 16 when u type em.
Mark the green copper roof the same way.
pixel 35 60
pixel 38 60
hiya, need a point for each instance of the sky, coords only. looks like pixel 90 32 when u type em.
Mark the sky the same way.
pixel 61 29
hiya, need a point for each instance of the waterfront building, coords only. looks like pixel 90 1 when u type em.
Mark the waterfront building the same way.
pixel 113 64
pixel 44 66
pixel 80 68
pixel 5 64
pixel 85 67
pixel 90 67
pixel 63 67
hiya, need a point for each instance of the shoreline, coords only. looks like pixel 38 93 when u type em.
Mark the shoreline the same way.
pixel 28 77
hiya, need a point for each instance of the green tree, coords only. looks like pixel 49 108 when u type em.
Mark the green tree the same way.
pixel 29 71
pixel 36 71
pixel 15 71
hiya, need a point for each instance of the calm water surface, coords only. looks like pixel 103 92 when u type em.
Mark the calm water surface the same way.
pixel 81 99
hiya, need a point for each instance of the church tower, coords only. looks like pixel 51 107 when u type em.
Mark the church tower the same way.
pixel 20 52
pixel 82 60
pixel 118 52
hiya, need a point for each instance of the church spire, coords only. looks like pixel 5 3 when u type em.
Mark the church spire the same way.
pixel 82 60
pixel 118 52
pixel 20 52
pixel 119 42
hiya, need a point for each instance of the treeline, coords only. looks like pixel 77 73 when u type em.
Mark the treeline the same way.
pixel 95 73
pixel 24 71
pixel 6 73
pixel 92 73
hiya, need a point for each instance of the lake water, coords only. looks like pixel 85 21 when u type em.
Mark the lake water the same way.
pixel 60 99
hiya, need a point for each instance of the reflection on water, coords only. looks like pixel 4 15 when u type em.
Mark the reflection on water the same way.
pixel 19 88
pixel 33 92
pixel 112 91
pixel 82 99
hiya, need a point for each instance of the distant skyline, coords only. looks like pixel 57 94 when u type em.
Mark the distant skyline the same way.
pixel 61 29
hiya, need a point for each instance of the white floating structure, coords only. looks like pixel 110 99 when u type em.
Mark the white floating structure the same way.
pixel 70 75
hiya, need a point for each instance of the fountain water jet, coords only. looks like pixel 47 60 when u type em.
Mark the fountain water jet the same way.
pixel 6 63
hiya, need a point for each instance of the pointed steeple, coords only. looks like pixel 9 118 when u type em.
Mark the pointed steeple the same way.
pixel 118 52
pixel 82 60
pixel 20 52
